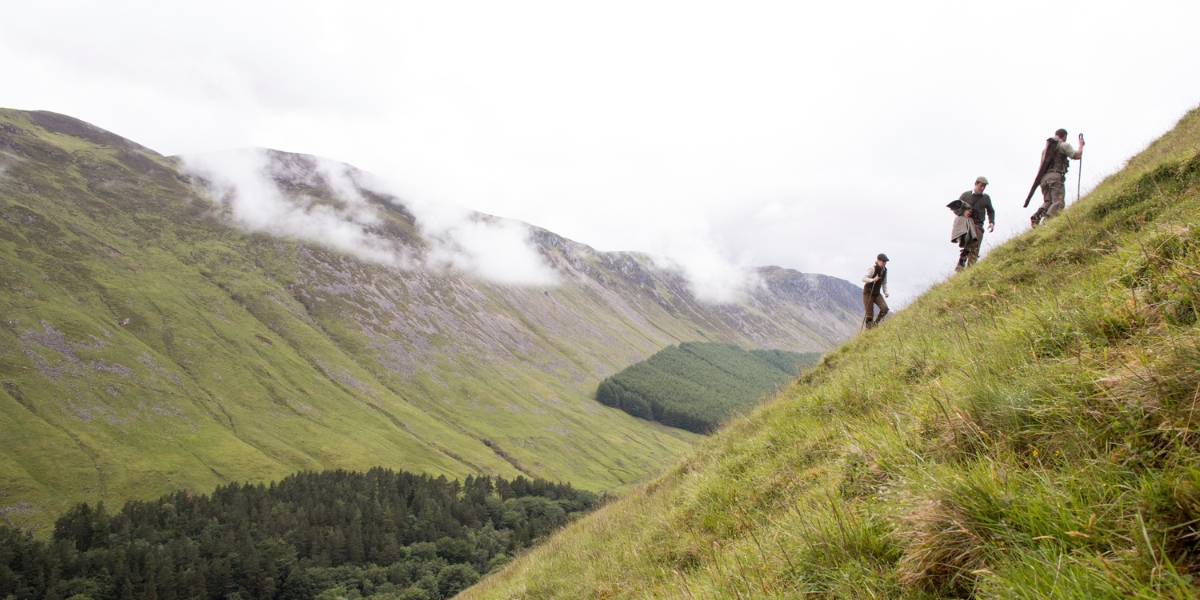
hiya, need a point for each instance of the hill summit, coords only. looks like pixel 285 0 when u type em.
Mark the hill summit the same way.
pixel 1027 429
pixel 173 324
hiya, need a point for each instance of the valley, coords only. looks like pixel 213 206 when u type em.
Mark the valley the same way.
pixel 151 342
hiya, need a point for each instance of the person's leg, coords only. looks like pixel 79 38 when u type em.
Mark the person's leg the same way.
pixel 972 251
pixel 868 309
pixel 883 308
pixel 1047 198
pixel 1058 197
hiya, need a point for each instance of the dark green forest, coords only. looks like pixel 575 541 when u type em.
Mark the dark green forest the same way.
pixel 380 534
pixel 697 385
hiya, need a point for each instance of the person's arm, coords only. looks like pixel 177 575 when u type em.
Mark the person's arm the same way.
pixel 1079 153
pixel 883 288
pixel 991 215
pixel 870 276
pixel 1069 151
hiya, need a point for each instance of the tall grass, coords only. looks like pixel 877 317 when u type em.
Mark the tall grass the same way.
pixel 1027 429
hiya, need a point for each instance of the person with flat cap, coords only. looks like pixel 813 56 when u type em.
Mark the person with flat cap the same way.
pixel 975 204
pixel 874 291
pixel 1056 160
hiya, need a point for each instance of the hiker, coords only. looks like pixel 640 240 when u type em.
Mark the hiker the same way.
pixel 973 205
pixel 1056 159
pixel 875 283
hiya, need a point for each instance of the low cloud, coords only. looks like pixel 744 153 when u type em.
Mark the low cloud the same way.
pixel 6 161
pixel 714 277
pixel 496 249
pixel 248 184
pixel 244 182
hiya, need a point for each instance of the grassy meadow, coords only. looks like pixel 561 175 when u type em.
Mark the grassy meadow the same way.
pixel 1029 428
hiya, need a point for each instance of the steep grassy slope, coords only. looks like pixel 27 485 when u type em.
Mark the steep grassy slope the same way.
pixel 1027 429
pixel 147 345
pixel 698 385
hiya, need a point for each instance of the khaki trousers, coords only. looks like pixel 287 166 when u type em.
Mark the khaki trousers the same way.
pixel 869 303
pixel 1054 196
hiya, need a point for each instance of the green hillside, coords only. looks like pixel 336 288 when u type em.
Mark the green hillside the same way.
pixel 697 385
pixel 1027 429
pixel 149 345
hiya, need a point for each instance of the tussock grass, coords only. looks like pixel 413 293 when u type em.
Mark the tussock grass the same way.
pixel 1027 429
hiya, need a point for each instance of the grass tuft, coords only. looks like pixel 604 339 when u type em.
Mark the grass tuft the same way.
pixel 1026 429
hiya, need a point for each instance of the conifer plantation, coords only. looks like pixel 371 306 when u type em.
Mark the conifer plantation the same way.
pixel 380 534
pixel 697 385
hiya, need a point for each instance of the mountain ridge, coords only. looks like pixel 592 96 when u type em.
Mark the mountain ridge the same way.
pixel 151 343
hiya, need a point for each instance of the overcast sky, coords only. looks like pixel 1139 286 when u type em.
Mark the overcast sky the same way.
pixel 807 135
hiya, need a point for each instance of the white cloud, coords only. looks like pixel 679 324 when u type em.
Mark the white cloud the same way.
pixel 713 277
pixel 497 249
pixel 245 182
pixel 241 180
pixel 340 179
pixel 6 162
pixel 689 247
pixel 627 124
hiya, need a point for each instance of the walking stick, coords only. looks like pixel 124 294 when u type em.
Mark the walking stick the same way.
pixel 1079 181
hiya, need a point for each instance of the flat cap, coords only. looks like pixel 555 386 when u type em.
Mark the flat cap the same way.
pixel 981 179
pixel 882 257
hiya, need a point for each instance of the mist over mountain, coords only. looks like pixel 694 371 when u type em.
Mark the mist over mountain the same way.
pixel 175 323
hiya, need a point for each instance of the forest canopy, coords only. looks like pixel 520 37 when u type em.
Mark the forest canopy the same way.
pixel 697 385
pixel 381 534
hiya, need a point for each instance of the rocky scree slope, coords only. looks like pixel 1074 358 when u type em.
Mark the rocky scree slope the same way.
pixel 148 344
pixel 1027 429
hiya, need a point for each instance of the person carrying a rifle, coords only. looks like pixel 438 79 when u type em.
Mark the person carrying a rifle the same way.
pixel 975 204
pixel 1056 159
pixel 874 284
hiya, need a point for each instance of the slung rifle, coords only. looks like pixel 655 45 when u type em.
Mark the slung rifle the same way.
pixel 1047 159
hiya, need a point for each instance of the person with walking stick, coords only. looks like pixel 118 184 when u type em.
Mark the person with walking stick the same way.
pixel 874 284
pixel 1052 176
